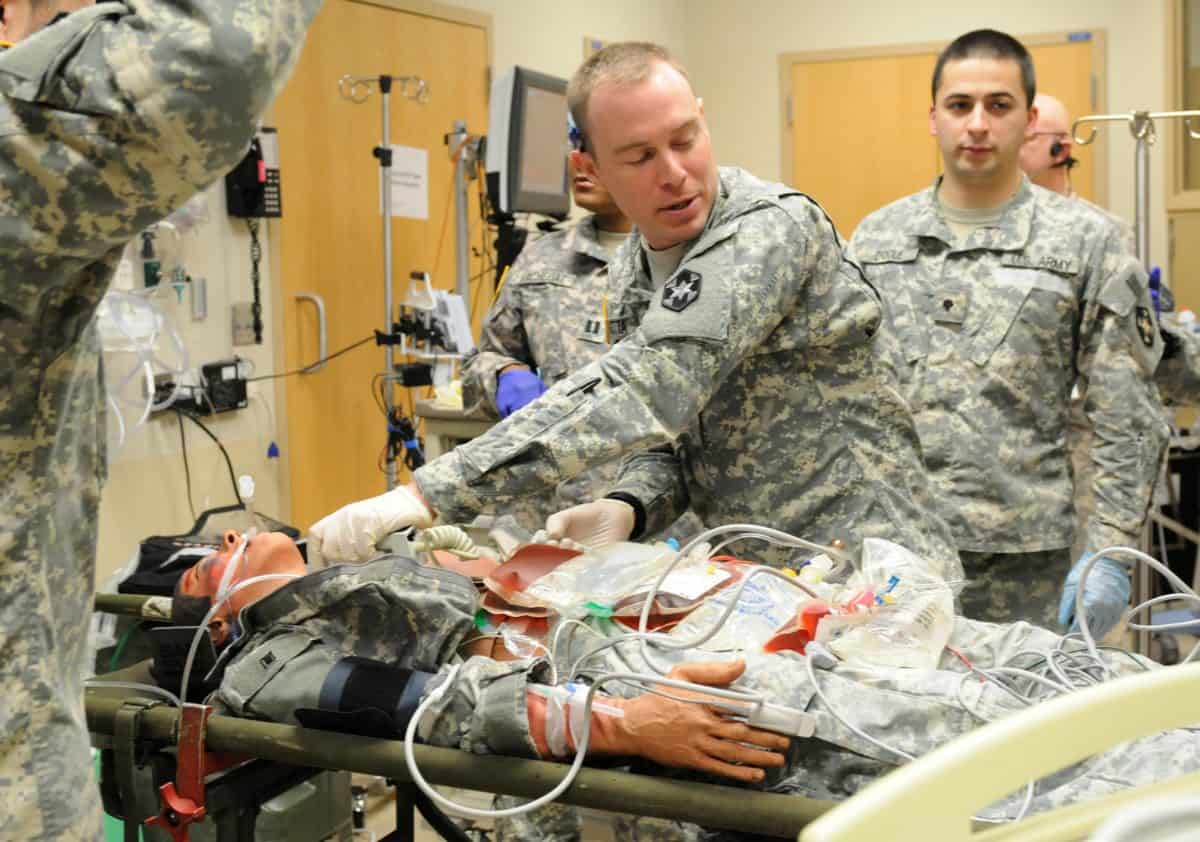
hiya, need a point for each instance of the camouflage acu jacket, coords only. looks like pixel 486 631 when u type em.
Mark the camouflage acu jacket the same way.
pixel 109 119
pixel 994 334
pixel 761 363
pixel 548 316
pixel 391 610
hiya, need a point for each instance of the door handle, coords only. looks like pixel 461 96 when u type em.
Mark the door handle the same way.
pixel 321 336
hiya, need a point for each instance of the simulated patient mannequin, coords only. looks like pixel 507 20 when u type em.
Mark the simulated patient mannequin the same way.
pixel 396 622
pixel 306 649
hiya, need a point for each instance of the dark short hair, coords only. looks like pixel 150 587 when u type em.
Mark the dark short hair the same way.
pixel 988 43
pixel 187 610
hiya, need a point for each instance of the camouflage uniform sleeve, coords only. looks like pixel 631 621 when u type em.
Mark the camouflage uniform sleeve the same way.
pixel 1178 374
pixel 502 342
pixel 1119 349
pixel 484 712
pixel 160 97
pixel 652 385
pixel 655 478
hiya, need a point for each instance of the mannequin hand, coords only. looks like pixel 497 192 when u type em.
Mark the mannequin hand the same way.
pixel 695 736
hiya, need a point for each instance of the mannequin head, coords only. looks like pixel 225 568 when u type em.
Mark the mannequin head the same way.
pixel 196 590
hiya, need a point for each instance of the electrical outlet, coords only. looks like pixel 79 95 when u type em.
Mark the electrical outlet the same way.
pixel 243 323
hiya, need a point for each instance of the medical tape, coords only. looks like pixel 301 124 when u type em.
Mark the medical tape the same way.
pixel 556 720
pixel 578 712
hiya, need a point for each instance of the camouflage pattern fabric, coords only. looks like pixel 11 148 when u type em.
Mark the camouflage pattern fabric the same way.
pixel 915 711
pixel 995 333
pixel 293 636
pixel 551 823
pixel 1003 587
pixel 391 610
pixel 1178 374
pixel 547 318
pixel 770 393
pixel 1128 238
pixel 110 118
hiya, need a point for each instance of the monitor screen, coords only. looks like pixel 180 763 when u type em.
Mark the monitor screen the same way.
pixel 527 143
pixel 543 132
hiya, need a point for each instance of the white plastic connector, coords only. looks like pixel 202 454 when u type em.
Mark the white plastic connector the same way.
pixel 782 720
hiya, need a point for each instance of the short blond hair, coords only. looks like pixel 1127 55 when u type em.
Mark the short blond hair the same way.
pixel 622 63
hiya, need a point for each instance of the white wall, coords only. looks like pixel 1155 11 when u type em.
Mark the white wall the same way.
pixel 145 493
pixel 733 50
pixel 547 35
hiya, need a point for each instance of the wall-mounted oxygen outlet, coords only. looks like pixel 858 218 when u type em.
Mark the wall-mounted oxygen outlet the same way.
pixel 243 323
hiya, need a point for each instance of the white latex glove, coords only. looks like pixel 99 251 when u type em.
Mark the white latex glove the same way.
pixel 351 533
pixel 593 524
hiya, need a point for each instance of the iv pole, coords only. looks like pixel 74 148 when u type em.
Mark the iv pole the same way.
pixel 1141 126
pixel 357 89
pixel 465 150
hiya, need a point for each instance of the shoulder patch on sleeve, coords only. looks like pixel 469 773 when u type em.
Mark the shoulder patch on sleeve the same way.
pixel 681 290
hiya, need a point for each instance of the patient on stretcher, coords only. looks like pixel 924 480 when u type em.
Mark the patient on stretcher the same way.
pixel 356 647
pixel 363 643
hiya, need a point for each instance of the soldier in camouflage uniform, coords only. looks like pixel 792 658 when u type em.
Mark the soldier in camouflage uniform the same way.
pixel 294 641
pixel 111 118
pixel 1003 296
pixel 544 320
pixel 758 365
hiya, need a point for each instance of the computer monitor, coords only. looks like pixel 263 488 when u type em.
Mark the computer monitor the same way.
pixel 527 143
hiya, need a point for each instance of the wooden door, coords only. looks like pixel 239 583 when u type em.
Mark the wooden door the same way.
pixel 861 135
pixel 1064 70
pixel 858 121
pixel 331 237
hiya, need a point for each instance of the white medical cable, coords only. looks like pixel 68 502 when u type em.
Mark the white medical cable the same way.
pixel 116 411
pixel 580 745
pixel 99 683
pixel 203 627
pixel 1110 552
pixel 812 677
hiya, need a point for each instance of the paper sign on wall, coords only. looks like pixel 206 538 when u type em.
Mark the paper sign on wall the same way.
pixel 410 183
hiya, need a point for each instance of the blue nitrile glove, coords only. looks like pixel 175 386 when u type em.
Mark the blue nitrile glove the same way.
pixel 515 388
pixel 1105 596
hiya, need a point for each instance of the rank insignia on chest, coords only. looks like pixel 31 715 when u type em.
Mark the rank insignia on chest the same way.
pixel 1145 326
pixel 681 290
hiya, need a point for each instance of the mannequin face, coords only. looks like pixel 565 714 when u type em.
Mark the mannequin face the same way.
pixel 266 553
